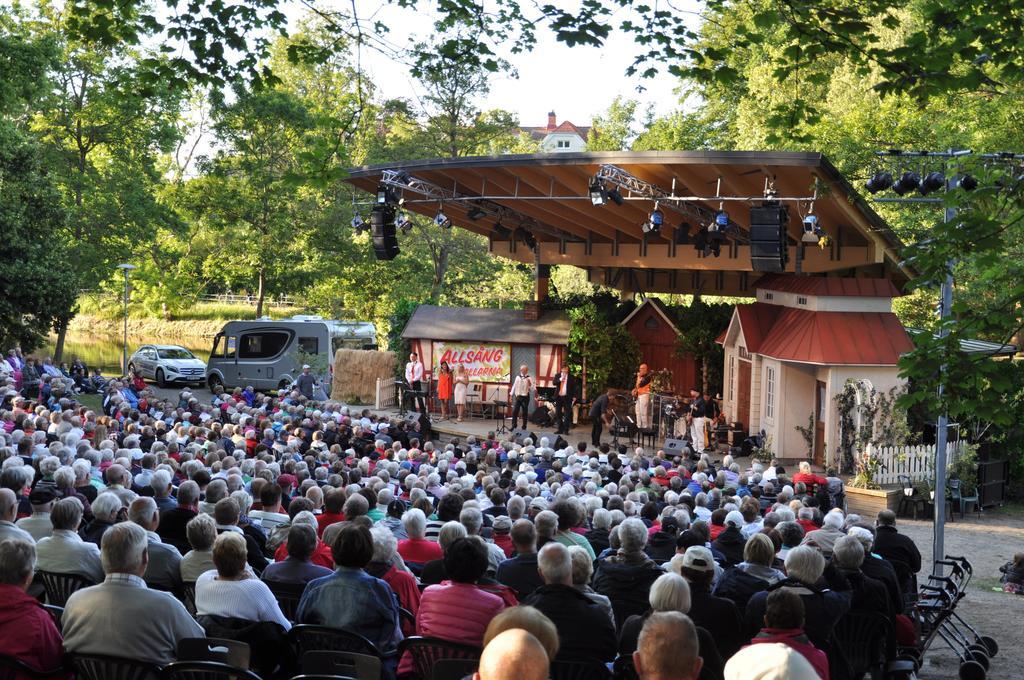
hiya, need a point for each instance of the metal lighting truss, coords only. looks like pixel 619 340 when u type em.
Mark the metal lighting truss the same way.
pixel 431 192
pixel 686 206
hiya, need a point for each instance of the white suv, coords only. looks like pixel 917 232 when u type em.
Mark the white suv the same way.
pixel 167 364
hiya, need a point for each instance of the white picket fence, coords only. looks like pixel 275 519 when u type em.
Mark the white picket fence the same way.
pixel 385 392
pixel 917 462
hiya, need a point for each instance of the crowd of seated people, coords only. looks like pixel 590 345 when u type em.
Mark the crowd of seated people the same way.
pixel 487 543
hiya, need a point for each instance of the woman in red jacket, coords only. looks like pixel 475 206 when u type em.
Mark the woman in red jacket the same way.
pixel 458 610
pixel 809 479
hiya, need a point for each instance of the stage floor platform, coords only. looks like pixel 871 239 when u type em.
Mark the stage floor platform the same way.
pixel 480 427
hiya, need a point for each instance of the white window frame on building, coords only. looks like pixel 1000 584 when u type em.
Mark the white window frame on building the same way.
pixel 769 393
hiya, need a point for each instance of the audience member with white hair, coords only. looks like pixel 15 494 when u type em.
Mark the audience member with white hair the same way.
pixel 64 551
pixel 584 629
pixel 832 529
pixel 149 623
pixel 805 566
pixel 670 593
pixel 626 577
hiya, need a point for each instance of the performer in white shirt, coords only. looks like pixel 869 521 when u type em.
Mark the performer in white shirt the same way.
pixel 414 377
pixel 519 394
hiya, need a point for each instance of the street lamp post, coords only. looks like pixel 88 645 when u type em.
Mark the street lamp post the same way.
pixel 124 347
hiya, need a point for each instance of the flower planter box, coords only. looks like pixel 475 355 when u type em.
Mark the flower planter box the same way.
pixel 868 502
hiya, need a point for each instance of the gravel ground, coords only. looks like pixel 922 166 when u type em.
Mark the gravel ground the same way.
pixel 988 542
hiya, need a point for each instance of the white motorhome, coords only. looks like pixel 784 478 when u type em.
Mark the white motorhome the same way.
pixel 265 353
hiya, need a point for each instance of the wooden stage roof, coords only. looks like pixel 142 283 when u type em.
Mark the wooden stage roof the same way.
pixel 548 195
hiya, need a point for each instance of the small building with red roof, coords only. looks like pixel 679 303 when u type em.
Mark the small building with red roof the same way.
pixel 790 353
pixel 559 137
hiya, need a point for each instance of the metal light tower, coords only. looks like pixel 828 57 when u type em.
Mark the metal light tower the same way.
pixel 124 347
pixel 945 159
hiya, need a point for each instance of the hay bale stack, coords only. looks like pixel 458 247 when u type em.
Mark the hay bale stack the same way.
pixel 356 372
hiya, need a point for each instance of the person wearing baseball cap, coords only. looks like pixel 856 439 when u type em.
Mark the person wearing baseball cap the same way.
pixel 719 616
pixel 730 542
pixel 775 661
pixel 38 524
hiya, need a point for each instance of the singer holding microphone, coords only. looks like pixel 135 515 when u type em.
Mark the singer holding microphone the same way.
pixel 519 394
pixel 642 392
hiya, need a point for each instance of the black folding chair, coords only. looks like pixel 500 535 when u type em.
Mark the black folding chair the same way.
pixel 59 587
pixel 221 650
pixel 310 638
pixel 865 641
pixel 205 670
pixel 345 664
pixel 407 618
pixel 188 596
pixel 288 596
pixel 425 652
pixel 103 667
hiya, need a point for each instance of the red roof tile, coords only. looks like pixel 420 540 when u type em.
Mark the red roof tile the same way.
pixel 828 285
pixel 756 322
pixel 826 338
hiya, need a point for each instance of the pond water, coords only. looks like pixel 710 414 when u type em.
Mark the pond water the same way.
pixel 104 351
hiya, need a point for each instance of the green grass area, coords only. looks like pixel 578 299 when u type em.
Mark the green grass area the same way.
pixel 91 401
pixel 986 583
pixel 106 308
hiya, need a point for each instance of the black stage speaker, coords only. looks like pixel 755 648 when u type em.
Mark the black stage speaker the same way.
pixel 385 239
pixel 518 434
pixel 676 447
pixel 768 251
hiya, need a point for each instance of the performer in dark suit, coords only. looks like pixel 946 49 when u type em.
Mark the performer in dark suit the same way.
pixel 598 412
pixel 565 396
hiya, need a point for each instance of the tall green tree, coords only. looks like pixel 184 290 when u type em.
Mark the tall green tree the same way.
pixel 103 132
pixel 614 129
pixel 254 190
pixel 34 275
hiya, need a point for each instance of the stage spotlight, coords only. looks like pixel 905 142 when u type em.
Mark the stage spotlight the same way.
pixel 880 181
pixel 403 222
pixel 598 195
pixel 654 221
pixel 933 181
pixel 721 222
pixel 616 196
pixel 906 183
pixel 501 232
pixel 812 230
pixel 966 182
pixel 385 195
pixel 442 220
pixel 475 213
